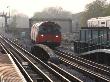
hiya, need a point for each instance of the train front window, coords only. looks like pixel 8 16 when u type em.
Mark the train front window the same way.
pixel 55 30
pixel 49 30
pixel 43 30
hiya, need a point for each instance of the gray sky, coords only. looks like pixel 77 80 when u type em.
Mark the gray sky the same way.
pixel 28 7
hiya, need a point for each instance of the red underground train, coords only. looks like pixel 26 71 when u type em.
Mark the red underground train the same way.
pixel 47 33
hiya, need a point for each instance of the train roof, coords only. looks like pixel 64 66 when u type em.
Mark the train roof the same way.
pixel 92 19
pixel 46 23
pixel 99 18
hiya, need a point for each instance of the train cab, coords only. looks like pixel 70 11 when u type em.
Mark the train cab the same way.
pixel 47 33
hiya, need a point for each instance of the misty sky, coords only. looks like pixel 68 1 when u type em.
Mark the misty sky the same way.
pixel 28 7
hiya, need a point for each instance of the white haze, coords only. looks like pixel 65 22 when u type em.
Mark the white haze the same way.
pixel 29 7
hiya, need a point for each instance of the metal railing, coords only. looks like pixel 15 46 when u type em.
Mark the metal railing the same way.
pixel 100 42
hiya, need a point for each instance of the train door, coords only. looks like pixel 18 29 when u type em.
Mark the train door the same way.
pixel 108 23
pixel 32 30
pixel 36 29
pixel 89 23
pixel 33 33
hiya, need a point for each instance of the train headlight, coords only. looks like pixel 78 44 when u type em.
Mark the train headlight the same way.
pixel 42 35
pixel 56 35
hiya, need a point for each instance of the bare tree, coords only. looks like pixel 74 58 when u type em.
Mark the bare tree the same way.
pixel 53 12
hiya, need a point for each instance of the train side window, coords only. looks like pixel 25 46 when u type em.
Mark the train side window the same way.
pixel 102 22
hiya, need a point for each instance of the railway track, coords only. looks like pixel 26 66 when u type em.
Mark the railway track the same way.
pixel 36 66
pixel 97 71
pixel 85 60
pixel 82 64
pixel 26 71
pixel 8 71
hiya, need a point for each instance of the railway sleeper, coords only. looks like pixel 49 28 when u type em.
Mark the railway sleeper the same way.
pixel 36 77
pixel 89 73
pixel 87 65
pixel 85 60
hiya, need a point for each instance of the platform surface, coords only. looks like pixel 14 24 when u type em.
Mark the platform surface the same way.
pixel 9 72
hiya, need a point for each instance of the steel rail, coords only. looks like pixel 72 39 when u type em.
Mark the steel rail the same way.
pixel 83 59
pixel 23 49
pixel 25 74
pixel 65 73
pixel 85 71
pixel 104 70
pixel 55 72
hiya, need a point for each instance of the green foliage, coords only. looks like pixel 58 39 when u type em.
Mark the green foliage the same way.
pixel 107 10
pixel 97 8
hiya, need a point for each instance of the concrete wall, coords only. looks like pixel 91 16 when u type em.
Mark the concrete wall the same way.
pixel 2 24
pixel 22 22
